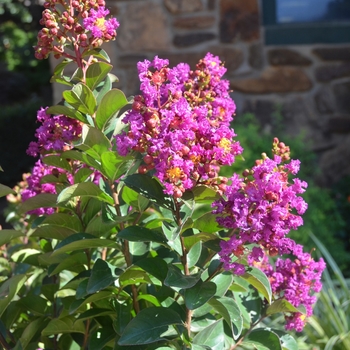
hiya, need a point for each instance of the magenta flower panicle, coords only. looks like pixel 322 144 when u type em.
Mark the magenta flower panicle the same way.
pixel 181 124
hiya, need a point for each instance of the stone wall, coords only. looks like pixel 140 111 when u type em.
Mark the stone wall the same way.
pixel 310 84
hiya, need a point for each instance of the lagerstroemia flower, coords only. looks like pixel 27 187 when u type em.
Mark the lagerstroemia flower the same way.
pixel 99 26
pixel 55 133
pixel 181 124
pixel 295 280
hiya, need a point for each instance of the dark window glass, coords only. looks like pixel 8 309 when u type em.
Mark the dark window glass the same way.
pixel 294 11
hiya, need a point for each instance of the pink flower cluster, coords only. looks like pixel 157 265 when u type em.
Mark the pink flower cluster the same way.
pixel 55 133
pixel 181 124
pixel 261 209
pixel 296 280
pixel 81 24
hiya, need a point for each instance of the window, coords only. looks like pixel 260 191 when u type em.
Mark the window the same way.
pixel 306 21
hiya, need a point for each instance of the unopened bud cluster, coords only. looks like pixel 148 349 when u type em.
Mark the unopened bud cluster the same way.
pixel 80 25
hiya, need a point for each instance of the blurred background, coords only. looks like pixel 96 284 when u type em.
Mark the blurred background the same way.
pixel 288 63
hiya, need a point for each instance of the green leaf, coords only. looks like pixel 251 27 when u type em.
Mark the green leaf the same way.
pixel 212 336
pixel 29 332
pixel 175 278
pixel 199 294
pixel 260 281
pixel 123 315
pixel 111 164
pixel 194 254
pixel 223 282
pixel 101 337
pixel 42 200
pixel 96 73
pixel 82 157
pixel 61 80
pixel 111 103
pixel 53 232
pixel 9 290
pixel 84 189
pixel 102 275
pixel 149 325
pixel 99 53
pixel 198 237
pixel 204 194
pixel 67 324
pixel 150 298
pixel 4 190
pixel 149 188
pixel 263 339
pixel 34 304
pixel 6 236
pixel 81 98
pixel 82 241
pixel 77 304
pixel 141 234
pixel 282 305
pixel 229 310
pixel 61 66
pixel 69 263
pixel 134 199
pixel 67 111
pixel 107 85
pixel 207 223
pixel 56 161
pixel 157 267
pixel 94 142
pixel 82 175
pixel 63 220
pixel 133 275
pixel 288 342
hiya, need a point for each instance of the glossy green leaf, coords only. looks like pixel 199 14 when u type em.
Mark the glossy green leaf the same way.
pixel 82 157
pixel 260 281
pixel 288 342
pixel 42 200
pixel 98 227
pixel 81 98
pixel 107 85
pixel 82 175
pixel 223 282
pixel 102 275
pixel 94 142
pixel 34 304
pixel 199 294
pixel 67 111
pixel 212 336
pixel 194 254
pixel 77 304
pixel 175 278
pixel 98 53
pixel 168 231
pixel 207 223
pixel 6 236
pixel 263 339
pixel 134 199
pixel 111 163
pixel 31 329
pixel 141 234
pixel 123 315
pixel 96 73
pixel 149 325
pixel 58 70
pixel 204 194
pixel 133 275
pixel 70 263
pixel 56 161
pixel 229 310
pixel 150 298
pixel 9 290
pixel 101 337
pixel 67 324
pixel 53 232
pixel 149 188
pixel 63 220
pixel 157 267
pixel 5 190
pixel 64 80
pixel 198 237
pixel 110 104
pixel 282 305
pixel 84 189
pixel 82 241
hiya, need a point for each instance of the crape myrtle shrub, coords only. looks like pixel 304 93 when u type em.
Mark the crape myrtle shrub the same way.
pixel 125 234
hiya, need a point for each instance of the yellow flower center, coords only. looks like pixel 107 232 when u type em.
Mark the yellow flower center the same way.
pixel 100 22
pixel 174 173
pixel 225 144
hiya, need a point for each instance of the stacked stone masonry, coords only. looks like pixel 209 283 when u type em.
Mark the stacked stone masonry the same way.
pixel 308 84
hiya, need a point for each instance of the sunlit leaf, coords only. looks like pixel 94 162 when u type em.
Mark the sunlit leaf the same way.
pixel 96 73
pixel 81 98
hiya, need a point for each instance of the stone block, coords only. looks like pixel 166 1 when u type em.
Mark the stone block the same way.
pixel 192 39
pixel 333 53
pixel 342 96
pixel 239 20
pixel 191 58
pixel 230 56
pixel 255 58
pixel 283 79
pixel 262 110
pixel 143 28
pixel 331 72
pixel 183 6
pixel 283 57
pixel 130 61
pixel 194 22
pixel 339 124
pixel 324 101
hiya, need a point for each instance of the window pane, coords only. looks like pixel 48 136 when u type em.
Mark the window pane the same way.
pixel 291 11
